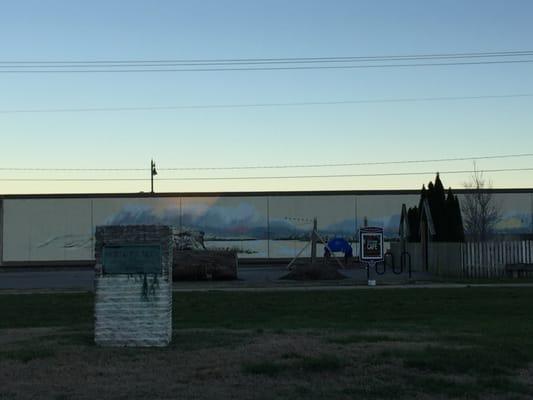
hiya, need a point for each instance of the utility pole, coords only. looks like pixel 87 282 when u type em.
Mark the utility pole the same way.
pixel 313 241
pixel 153 172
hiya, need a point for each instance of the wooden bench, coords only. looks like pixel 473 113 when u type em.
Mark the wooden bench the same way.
pixel 518 270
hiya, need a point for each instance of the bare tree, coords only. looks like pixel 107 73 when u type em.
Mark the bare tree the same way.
pixel 480 211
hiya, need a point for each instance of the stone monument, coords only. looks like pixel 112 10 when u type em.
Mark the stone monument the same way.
pixel 133 285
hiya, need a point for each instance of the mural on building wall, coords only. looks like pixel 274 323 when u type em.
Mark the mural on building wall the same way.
pixel 515 213
pixel 257 226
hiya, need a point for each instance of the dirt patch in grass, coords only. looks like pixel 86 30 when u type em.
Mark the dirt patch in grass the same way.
pixel 27 354
pixel 294 364
pixel 359 338
pixel 269 368
pixel 190 340
pixel 9 336
pixel 525 375
pixel 454 360
pixel 321 363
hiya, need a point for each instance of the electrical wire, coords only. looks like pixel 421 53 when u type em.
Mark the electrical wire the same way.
pixel 320 67
pixel 226 63
pixel 350 164
pixel 514 53
pixel 264 177
pixel 264 105
pixel 323 165
pixel 37 169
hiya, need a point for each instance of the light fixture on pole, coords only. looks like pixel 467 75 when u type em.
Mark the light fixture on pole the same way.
pixel 153 172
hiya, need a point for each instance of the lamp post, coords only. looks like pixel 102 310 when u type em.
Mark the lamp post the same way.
pixel 153 172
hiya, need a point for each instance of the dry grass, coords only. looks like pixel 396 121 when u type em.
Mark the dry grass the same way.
pixel 217 364
pixel 422 344
pixel 199 364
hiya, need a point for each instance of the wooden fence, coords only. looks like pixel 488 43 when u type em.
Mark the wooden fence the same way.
pixel 488 259
pixel 467 260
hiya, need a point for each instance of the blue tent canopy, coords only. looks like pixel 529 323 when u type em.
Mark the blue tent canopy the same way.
pixel 340 244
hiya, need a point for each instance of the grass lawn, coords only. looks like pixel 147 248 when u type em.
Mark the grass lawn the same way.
pixel 395 343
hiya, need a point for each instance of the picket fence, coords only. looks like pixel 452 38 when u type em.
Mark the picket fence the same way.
pixel 467 260
pixel 488 259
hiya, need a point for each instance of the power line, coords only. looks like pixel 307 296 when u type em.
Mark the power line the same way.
pixel 263 177
pixel 352 164
pixel 264 105
pixel 264 62
pixel 323 165
pixel 319 67
pixel 286 59
pixel 28 169
pixel 351 175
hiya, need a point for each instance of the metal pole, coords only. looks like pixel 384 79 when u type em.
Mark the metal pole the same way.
pixel 153 172
pixel 297 255
pixel 2 231
pixel 268 226
pixel 313 242
pixel 152 176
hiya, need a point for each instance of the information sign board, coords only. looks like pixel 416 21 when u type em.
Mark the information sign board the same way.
pixel 132 259
pixel 371 242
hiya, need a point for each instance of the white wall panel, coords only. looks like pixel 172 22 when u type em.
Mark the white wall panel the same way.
pixel 47 230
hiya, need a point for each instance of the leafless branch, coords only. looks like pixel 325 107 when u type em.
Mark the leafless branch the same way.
pixel 481 213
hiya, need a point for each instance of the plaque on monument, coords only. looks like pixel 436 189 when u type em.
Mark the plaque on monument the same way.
pixel 131 259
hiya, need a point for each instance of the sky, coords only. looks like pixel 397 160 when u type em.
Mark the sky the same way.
pixel 56 30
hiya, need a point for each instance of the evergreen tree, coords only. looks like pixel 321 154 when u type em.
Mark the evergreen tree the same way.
pixel 438 210
pixel 445 213
pixel 413 218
